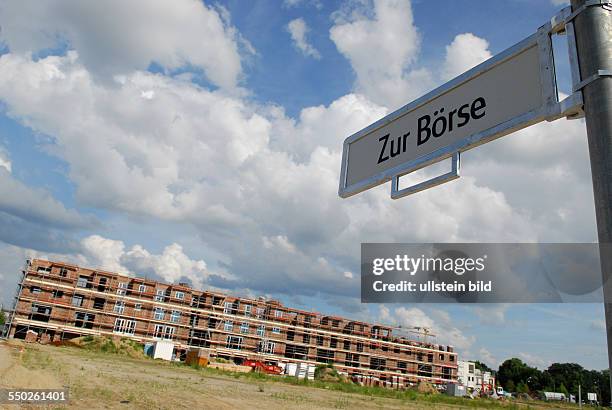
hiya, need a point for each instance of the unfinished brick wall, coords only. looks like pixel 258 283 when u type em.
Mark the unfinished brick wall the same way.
pixel 69 301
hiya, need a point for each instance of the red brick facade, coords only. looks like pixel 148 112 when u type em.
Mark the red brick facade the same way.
pixel 65 301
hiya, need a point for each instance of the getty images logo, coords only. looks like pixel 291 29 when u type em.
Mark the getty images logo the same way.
pixel 442 263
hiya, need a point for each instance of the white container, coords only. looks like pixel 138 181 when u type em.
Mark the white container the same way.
pixel 302 370
pixel 311 372
pixel 163 350
pixel 291 369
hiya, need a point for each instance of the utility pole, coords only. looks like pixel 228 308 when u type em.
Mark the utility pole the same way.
pixel 593 30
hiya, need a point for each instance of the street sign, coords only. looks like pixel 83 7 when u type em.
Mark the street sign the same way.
pixel 508 92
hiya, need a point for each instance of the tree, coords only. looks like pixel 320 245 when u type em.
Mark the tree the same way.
pixel 2 318
pixel 510 370
pixel 483 367
pixel 540 381
pixel 517 376
pixel 522 388
pixel 563 389
pixel 603 385
pixel 568 374
pixel 515 371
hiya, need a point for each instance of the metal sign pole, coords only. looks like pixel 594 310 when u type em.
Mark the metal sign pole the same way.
pixel 593 31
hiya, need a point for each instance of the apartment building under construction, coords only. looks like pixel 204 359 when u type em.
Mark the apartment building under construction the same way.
pixel 62 301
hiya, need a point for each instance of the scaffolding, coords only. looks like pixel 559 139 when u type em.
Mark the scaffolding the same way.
pixel 97 302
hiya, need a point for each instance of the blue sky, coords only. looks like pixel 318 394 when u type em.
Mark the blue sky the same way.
pixel 273 75
pixel 202 142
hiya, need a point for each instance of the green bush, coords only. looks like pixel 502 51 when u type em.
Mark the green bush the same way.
pixel 325 371
pixel 522 388
pixel 108 346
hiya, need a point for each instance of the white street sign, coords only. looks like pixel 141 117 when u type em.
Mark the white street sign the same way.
pixel 510 91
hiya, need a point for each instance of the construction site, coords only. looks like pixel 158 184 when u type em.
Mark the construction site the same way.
pixel 57 301
pixel 102 379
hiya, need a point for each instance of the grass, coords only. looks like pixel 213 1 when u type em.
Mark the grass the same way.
pixel 371 391
pixel 101 393
pixel 341 403
pixel 262 384
pixel 34 359
pixel 288 397
pixel 105 345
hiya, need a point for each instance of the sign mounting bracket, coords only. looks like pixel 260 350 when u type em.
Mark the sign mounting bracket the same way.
pixel 453 174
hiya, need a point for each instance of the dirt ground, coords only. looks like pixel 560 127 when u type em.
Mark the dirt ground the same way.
pixel 98 381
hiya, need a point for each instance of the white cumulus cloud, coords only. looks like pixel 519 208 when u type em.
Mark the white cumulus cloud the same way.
pixel 171 265
pixel 116 37
pixel 381 45
pixel 5 161
pixel 486 357
pixel 104 253
pixel 465 52
pixel 234 169
pixel 298 30
pixel 441 324
pixel 534 360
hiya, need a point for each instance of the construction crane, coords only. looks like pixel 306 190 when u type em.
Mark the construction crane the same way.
pixel 423 331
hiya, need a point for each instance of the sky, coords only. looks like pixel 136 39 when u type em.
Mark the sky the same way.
pixel 201 142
